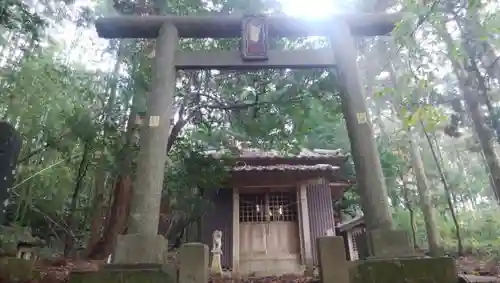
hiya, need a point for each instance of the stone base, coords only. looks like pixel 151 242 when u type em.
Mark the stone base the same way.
pixel 384 244
pixel 334 266
pixel 414 270
pixel 193 263
pixel 137 248
pixel 216 266
pixel 124 273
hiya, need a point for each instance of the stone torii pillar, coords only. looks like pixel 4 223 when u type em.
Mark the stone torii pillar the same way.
pixel 167 30
pixel 142 244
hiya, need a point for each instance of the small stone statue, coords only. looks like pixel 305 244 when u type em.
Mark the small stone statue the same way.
pixel 216 266
pixel 217 241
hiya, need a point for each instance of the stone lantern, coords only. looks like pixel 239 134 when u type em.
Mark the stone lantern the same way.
pixel 16 241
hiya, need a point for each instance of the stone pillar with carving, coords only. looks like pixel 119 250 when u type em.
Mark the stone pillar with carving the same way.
pixel 216 266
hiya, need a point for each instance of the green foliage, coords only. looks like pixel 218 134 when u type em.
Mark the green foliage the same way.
pixel 191 168
pixel 16 16
pixel 190 176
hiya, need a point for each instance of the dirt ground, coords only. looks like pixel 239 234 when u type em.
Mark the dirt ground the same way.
pixel 57 271
pixel 475 266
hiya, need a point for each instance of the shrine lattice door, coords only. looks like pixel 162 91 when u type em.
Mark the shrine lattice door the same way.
pixel 269 233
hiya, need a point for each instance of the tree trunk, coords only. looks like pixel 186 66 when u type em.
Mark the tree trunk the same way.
pixel 433 237
pixel 116 220
pixel 82 170
pixel 484 51
pixel 470 195
pixel 471 31
pixel 122 192
pixel 409 207
pixel 448 192
pixel 99 202
pixel 484 136
pixel 483 133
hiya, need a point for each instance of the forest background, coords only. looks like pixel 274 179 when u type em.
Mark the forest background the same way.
pixel 432 89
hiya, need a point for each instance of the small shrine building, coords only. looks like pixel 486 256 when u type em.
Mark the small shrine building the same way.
pixel 349 230
pixel 274 209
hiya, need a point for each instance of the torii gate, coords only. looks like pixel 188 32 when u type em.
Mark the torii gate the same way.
pixel 142 243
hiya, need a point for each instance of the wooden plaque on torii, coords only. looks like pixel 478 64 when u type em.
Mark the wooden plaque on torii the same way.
pixel 254 37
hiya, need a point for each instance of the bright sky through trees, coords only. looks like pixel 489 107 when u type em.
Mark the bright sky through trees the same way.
pixel 309 8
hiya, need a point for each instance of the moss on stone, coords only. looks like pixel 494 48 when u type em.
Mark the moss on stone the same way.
pixel 17 269
pixel 126 274
pixel 408 270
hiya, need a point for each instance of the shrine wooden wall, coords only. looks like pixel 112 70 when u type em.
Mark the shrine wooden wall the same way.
pixel 319 203
pixel 220 217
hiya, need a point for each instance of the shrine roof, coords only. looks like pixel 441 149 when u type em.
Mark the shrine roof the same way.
pixel 350 224
pixel 257 166
pixel 286 167
pixel 255 153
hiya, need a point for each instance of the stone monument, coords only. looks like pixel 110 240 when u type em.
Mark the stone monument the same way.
pixel 10 146
pixel 216 266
